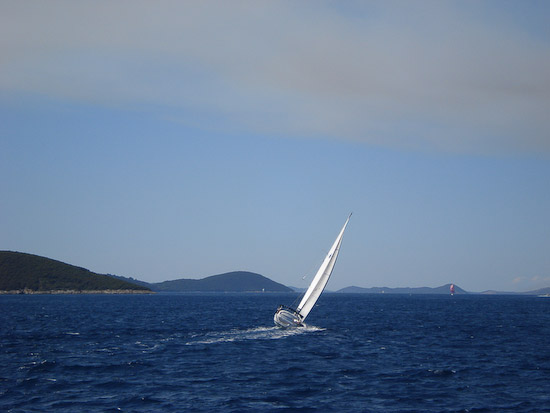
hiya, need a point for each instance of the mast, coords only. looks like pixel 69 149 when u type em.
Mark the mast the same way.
pixel 321 278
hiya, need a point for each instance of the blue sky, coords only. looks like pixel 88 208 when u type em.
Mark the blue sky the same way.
pixel 162 140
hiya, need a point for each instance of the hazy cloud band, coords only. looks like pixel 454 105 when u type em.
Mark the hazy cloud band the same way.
pixel 459 77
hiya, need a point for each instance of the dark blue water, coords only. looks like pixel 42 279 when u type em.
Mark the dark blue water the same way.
pixel 222 353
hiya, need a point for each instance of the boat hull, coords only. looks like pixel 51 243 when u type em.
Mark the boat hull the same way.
pixel 287 319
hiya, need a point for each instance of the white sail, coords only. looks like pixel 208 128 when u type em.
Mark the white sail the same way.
pixel 321 278
pixel 289 317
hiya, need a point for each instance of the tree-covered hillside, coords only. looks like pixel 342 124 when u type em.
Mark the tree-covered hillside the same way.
pixel 237 281
pixel 20 271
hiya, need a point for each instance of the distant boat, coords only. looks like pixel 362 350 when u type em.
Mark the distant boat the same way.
pixel 452 289
pixel 294 317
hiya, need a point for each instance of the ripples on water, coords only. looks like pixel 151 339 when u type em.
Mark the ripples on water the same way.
pixel 222 353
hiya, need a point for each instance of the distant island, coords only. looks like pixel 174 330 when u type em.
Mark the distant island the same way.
pixel 444 289
pixel 22 273
pixel 236 281
pixel 229 282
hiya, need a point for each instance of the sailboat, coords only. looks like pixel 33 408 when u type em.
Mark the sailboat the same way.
pixel 294 317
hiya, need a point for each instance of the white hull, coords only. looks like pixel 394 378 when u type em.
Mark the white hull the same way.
pixel 285 318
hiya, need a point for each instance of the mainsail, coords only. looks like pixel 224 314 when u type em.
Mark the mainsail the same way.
pixel 285 316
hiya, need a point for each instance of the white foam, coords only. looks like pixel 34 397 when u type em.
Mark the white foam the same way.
pixel 257 333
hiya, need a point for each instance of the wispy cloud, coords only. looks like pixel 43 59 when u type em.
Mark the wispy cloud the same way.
pixel 437 75
pixel 524 283
pixel 518 280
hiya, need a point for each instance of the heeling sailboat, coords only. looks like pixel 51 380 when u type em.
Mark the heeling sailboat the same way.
pixel 290 317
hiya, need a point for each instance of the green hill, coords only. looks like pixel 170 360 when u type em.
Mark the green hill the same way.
pixel 237 281
pixel 32 273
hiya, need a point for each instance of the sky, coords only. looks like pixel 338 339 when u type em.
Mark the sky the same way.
pixel 168 139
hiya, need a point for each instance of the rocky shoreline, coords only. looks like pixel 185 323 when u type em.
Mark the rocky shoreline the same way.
pixel 27 291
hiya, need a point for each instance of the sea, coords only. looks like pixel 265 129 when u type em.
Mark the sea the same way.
pixel 222 353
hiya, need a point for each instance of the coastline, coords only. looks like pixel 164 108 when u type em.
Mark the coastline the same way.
pixel 56 292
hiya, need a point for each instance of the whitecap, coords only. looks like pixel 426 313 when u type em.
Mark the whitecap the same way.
pixel 256 333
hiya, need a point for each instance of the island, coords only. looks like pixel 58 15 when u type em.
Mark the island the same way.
pixel 444 289
pixel 235 281
pixel 22 273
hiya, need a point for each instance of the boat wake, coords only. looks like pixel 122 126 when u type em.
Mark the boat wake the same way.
pixel 257 333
